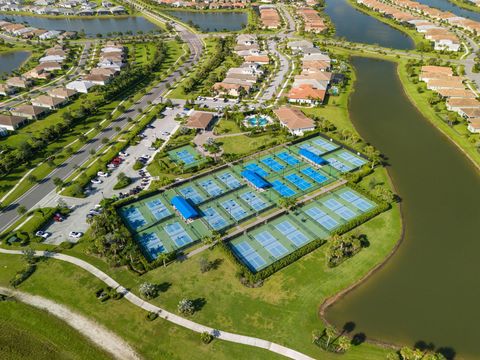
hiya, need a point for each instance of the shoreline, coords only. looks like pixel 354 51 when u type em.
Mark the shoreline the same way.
pixel 464 5
pixel 87 17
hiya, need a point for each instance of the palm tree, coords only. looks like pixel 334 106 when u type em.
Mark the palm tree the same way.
pixel 330 333
pixel 163 258
pixel 344 343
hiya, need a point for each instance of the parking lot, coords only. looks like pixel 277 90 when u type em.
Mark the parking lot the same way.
pixel 161 128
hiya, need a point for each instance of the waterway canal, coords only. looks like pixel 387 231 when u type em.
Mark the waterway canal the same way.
pixel 213 21
pixel 449 6
pixel 12 60
pixel 91 26
pixel 355 26
pixel 430 290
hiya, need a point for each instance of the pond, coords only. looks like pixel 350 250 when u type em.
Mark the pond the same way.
pixel 355 26
pixel 91 26
pixel 213 21
pixel 12 60
pixel 446 5
pixel 430 290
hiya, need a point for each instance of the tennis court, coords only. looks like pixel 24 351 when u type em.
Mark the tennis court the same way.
pixel 298 182
pixel 187 156
pixel 288 158
pixel 257 169
pixel 214 219
pixel 315 175
pixel 189 192
pixel 211 187
pixel 256 201
pixel 273 164
pixel 352 159
pixel 282 189
pixel 133 216
pixel 270 242
pixel 230 180
pixel 151 244
pixel 234 209
pixel 158 209
pixel 356 200
pixel 178 234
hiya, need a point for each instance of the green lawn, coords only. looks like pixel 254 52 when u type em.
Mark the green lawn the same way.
pixel 244 145
pixel 34 334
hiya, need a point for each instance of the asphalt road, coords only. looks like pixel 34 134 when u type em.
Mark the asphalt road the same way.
pixel 34 195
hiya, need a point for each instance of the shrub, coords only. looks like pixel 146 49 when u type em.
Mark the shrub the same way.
pixel 206 337
pixel 23 275
pixel 123 181
pixel 138 165
pixel 151 316
pixel 186 307
pixel 148 290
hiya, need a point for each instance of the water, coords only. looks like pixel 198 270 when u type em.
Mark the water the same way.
pixel 91 26
pixel 257 121
pixel 10 61
pixel 430 289
pixel 213 21
pixel 448 6
pixel 355 26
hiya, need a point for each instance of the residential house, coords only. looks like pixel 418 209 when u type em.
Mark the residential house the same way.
pixel 28 111
pixel 12 122
pixel 200 120
pixel 61 93
pixel 294 120
pixel 48 102
pixel 80 86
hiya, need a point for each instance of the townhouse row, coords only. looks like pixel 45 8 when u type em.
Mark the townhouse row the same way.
pixel 30 32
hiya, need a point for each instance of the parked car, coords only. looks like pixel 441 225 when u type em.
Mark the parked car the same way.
pixel 151 148
pixel 103 174
pixel 123 154
pixel 96 181
pixel 75 234
pixel 58 217
pixel 145 156
pixel 111 166
pixel 42 234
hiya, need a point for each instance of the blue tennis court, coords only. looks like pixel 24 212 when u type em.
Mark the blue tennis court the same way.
pixel 345 213
pixel 314 175
pixel 134 217
pixel 298 182
pixel 328 222
pixel 234 209
pixel 228 179
pixel 324 144
pixel 271 244
pixel 211 187
pixel 215 220
pixel 315 213
pixel 355 160
pixel 185 156
pixel 158 209
pixel 257 169
pixel 178 234
pixel 312 149
pixel 362 204
pixel 273 164
pixel 192 194
pixel 248 255
pixel 349 196
pixel 288 158
pixel 253 200
pixel 292 233
pixel 152 244
pixel 332 204
pixel 282 189
pixel 340 166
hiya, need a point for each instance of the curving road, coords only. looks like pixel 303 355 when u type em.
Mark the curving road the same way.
pixel 166 315
pixel 42 190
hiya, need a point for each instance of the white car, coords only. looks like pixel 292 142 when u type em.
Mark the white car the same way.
pixel 96 181
pixel 123 154
pixel 103 174
pixel 75 234
pixel 145 156
pixel 42 234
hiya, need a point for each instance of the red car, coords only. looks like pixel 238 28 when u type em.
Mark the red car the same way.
pixel 58 217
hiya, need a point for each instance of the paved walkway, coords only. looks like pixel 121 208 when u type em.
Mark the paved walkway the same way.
pixel 96 333
pixel 173 318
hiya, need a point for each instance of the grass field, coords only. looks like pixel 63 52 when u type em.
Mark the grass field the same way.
pixel 28 333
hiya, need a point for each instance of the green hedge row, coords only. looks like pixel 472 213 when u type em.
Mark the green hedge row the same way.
pixel 23 275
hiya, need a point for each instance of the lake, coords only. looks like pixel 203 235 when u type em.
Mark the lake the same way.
pixel 355 26
pixel 12 60
pixel 430 290
pixel 213 21
pixel 91 26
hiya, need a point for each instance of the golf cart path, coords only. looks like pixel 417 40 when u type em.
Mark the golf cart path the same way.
pixel 173 318
pixel 96 333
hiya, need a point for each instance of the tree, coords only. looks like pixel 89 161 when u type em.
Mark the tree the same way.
pixel 316 335
pixel 344 343
pixel 329 333
pixel 205 265
pixel 148 290
pixel 407 353
pixel 21 210
pixel 186 307
pixel 163 258
pixel 57 181
pixel 206 337
pixel 29 255
pixel 32 179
